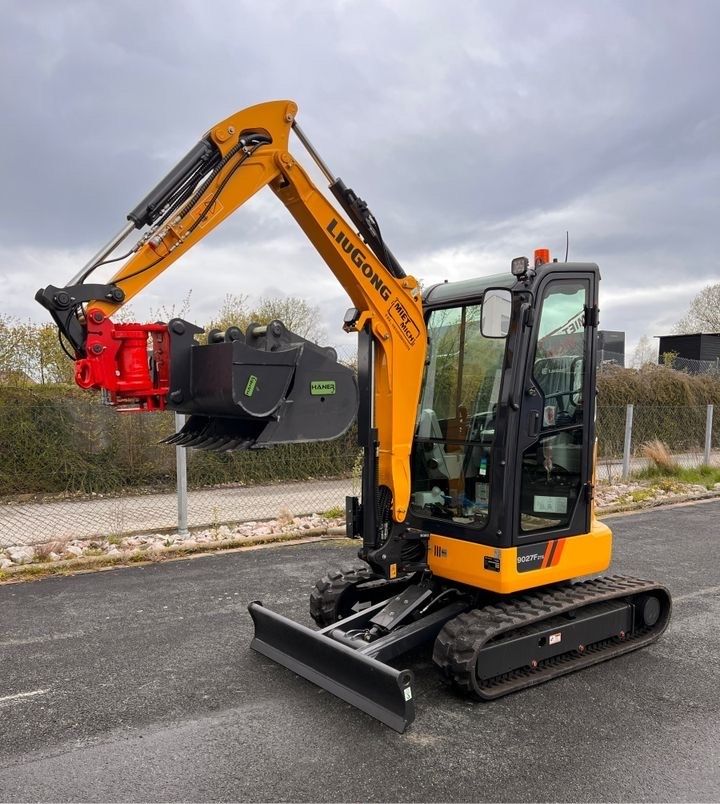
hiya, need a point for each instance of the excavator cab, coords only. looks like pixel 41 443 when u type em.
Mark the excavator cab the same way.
pixel 500 516
pixel 526 367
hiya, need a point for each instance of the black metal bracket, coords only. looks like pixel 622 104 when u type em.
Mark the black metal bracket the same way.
pixel 592 316
pixel 395 556
pixel 401 607
pixel 62 302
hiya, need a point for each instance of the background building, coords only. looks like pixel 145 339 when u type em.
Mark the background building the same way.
pixel 697 353
pixel 611 347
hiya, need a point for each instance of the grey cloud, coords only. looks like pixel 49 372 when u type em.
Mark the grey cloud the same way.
pixel 488 128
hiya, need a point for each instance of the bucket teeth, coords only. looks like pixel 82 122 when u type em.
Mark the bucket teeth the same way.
pixel 193 427
pixel 210 442
pixel 215 435
pixel 182 435
pixel 195 440
pixel 242 443
pixel 229 444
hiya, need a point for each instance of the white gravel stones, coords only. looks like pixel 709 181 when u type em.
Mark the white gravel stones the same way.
pixel 21 554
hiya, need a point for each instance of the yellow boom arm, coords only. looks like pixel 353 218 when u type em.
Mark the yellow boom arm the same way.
pixel 390 305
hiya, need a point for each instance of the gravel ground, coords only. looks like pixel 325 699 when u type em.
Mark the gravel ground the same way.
pixel 137 684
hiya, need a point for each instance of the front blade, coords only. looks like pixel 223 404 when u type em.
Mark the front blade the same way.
pixel 376 688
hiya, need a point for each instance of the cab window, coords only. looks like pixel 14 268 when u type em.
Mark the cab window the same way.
pixel 551 467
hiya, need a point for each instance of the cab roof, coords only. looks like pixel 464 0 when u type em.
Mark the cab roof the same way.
pixel 449 292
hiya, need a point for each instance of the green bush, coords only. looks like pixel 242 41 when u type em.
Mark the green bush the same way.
pixel 656 386
pixel 56 439
pixel 669 405
pixel 59 440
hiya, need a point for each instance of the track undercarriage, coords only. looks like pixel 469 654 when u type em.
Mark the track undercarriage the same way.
pixel 486 646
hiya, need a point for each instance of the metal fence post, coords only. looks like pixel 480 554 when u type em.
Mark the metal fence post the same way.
pixel 628 441
pixel 708 434
pixel 181 474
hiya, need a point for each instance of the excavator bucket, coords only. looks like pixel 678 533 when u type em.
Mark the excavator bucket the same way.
pixel 268 386
pixel 356 677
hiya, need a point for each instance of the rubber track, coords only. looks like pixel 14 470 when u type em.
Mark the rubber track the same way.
pixel 325 596
pixel 460 642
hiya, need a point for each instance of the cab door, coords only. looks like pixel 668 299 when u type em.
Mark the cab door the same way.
pixel 557 408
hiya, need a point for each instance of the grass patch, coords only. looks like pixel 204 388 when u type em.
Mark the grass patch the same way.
pixel 668 480
pixel 667 474
pixel 334 513
pixel 640 495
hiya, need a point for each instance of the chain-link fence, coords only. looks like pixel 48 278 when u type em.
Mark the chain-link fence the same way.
pixel 625 431
pixel 71 469
pixel 690 366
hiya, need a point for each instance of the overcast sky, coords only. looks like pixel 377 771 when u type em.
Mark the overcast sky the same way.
pixel 476 131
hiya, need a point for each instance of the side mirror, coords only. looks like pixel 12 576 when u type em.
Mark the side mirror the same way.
pixel 496 307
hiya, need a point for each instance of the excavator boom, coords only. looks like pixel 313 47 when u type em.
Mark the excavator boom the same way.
pixel 265 386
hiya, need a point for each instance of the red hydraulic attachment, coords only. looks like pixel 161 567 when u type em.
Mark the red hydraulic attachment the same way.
pixel 117 361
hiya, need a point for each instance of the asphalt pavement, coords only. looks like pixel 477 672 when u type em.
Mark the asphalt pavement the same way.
pixel 137 684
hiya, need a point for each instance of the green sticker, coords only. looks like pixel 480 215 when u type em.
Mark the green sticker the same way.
pixel 251 383
pixel 322 387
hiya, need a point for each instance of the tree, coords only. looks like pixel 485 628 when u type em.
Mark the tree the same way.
pixel 704 313
pixel 233 313
pixel 162 313
pixel 645 352
pixel 31 353
pixel 18 352
pixel 53 365
pixel 297 315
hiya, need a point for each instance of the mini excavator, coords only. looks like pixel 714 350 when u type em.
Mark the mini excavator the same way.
pixel 475 410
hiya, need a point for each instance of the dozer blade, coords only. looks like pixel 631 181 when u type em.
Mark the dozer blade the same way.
pixel 376 688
